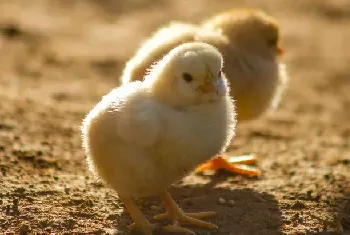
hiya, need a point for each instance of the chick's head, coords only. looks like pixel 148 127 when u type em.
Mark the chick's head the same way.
pixel 189 74
pixel 251 29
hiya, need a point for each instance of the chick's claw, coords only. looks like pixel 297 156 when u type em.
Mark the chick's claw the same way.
pixel 178 217
pixel 198 215
pixel 186 219
pixel 191 219
pixel 243 159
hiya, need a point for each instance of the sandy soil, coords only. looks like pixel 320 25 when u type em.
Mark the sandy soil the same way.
pixel 58 57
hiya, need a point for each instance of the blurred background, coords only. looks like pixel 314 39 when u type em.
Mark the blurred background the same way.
pixel 58 57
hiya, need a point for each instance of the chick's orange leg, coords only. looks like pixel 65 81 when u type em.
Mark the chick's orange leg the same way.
pixel 239 165
pixel 177 216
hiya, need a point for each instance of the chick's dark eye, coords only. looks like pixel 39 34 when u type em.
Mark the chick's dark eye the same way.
pixel 187 77
pixel 272 42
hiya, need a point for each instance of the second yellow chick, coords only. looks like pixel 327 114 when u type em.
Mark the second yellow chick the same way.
pixel 249 40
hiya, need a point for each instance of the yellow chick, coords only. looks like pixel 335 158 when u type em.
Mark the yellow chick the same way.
pixel 249 41
pixel 258 79
pixel 144 136
pixel 251 59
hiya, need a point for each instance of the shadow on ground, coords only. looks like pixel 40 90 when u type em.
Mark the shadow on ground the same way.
pixel 239 211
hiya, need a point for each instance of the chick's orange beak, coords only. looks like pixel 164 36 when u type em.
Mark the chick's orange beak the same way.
pixel 279 51
pixel 208 87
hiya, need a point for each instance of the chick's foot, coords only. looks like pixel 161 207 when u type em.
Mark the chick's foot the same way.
pixel 178 217
pixel 141 223
pixel 188 219
pixel 198 215
pixel 235 164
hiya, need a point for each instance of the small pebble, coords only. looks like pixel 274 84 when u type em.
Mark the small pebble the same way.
pixel 231 202
pixel 67 190
pixel 222 201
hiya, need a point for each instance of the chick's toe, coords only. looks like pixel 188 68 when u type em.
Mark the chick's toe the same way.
pixel 140 221
pixel 198 215
pixel 189 219
pixel 178 217
pixel 239 165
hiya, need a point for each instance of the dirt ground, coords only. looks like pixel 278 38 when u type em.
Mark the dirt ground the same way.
pixel 58 57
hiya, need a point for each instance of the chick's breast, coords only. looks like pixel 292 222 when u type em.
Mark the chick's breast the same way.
pixel 139 146
pixel 254 83
pixel 193 136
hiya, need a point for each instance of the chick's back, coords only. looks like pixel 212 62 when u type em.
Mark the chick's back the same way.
pixel 162 41
pixel 139 146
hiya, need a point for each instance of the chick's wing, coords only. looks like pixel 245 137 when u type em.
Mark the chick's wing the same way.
pixel 139 123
